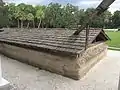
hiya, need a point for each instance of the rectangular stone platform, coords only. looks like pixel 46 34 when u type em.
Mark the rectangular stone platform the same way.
pixel 73 67
pixel 56 50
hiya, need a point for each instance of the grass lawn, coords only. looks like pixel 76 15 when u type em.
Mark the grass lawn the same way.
pixel 115 39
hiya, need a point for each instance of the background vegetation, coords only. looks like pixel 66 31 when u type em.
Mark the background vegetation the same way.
pixel 3 15
pixel 55 15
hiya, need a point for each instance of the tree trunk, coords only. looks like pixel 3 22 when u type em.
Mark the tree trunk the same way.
pixel 28 25
pixel 39 24
pixel 18 24
pixel 33 24
pixel 42 24
pixel 21 23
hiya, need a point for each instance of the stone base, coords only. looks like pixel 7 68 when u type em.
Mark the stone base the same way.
pixel 4 85
pixel 74 68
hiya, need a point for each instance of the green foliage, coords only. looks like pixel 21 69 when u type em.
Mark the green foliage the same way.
pixel 53 15
pixel 116 19
pixel 21 12
pixel 30 17
pixel 3 15
pixel 70 16
pixel 98 21
pixel 107 19
pixel 40 12
pixel 57 16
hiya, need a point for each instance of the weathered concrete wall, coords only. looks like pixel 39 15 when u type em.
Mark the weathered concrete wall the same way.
pixel 71 67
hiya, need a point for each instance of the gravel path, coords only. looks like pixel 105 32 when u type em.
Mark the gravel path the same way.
pixel 103 76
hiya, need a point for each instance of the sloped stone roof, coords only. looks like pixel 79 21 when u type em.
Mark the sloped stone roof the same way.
pixel 61 41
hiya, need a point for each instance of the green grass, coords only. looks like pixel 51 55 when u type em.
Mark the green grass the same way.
pixel 115 39
pixel 114 49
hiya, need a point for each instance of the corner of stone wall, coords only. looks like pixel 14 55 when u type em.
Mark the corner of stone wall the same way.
pixel 90 57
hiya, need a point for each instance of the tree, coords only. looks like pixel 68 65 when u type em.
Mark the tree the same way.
pixel 21 13
pixel 54 15
pixel 70 16
pixel 97 22
pixel 40 14
pixel 107 19
pixel 30 17
pixel 3 15
pixel 81 16
pixel 116 19
pixel 12 14
pixel 30 11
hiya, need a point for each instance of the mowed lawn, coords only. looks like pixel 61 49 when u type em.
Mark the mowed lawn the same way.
pixel 115 39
